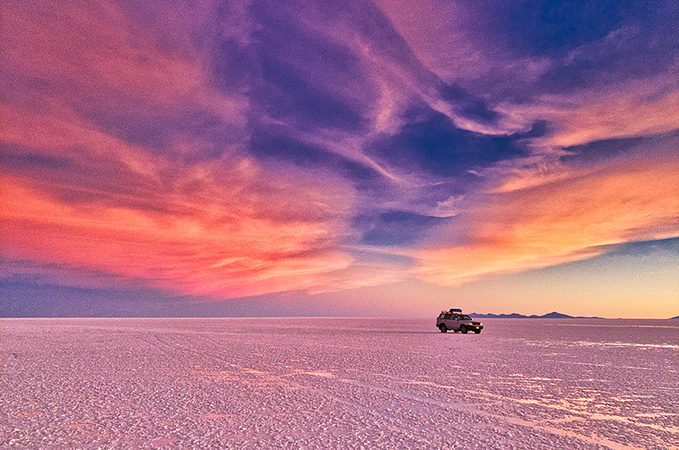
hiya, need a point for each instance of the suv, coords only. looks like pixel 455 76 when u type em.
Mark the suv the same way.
pixel 456 321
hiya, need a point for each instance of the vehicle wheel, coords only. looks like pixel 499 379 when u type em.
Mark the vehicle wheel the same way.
pixel 463 330
pixel 477 331
pixel 443 328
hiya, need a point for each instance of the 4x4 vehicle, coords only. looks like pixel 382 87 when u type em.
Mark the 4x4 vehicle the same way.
pixel 456 321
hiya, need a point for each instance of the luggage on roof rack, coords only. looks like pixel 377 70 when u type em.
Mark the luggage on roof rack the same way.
pixel 455 310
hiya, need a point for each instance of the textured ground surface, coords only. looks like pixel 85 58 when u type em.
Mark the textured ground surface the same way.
pixel 337 383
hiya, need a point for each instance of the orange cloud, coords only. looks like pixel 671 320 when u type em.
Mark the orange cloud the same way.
pixel 220 239
pixel 632 198
pixel 226 227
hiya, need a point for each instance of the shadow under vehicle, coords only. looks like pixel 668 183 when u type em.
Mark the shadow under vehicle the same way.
pixel 455 321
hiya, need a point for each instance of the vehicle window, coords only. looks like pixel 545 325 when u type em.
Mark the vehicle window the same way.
pixel 447 316
pixel 466 318
pixel 441 316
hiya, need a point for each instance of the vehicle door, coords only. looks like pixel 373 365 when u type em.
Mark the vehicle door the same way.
pixel 449 321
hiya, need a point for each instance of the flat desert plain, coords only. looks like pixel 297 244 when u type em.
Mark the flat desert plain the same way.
pixel 338 383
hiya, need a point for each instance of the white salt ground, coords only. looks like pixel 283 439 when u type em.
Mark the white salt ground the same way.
pixel 338 383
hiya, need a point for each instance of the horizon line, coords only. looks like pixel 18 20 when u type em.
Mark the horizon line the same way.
pixel 339 317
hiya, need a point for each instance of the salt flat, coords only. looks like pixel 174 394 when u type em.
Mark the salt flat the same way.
pixel 338 383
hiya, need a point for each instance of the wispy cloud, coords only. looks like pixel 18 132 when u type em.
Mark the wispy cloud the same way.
pixel 635 197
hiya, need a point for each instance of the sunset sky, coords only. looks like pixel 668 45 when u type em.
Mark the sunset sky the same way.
pixel 352 158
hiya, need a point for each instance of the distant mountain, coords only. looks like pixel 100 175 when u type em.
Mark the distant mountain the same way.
pixel 498 316
pixel 674 318
pixel 552 315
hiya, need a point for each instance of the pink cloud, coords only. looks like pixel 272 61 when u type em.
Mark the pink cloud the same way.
pixel 97 56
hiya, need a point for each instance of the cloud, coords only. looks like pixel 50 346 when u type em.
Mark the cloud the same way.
pixel 638 108
pixel 209 230
pixel 634 197
pixel 128 154
pixel 109 65
pixel 177 203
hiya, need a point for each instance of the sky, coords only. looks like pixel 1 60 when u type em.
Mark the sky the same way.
pixel 353 158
